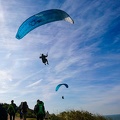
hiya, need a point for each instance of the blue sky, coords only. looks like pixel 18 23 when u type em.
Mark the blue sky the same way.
pixel 85 55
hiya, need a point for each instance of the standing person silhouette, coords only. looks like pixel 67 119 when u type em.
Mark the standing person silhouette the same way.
pixel 24 109
pixel 3 113
pixel 39 110
pixel 20 110
pixel 12 109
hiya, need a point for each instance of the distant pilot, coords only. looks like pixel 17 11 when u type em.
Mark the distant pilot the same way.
pixel 44 60
pixel 62 97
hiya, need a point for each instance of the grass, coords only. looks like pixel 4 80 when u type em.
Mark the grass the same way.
pixel 31 118
pixel 76 115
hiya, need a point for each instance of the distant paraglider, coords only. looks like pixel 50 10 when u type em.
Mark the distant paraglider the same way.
pixel 42 18
pixel 58 86
pixel 44 59
pixel 62 97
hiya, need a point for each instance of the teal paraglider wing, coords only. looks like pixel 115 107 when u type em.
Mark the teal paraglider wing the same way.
pixel 42 18
pixel 58 86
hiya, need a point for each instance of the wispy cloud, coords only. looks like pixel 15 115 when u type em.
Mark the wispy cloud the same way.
pixel 34 84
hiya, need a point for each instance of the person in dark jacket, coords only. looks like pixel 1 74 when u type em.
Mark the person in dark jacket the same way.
pixel 24 109
pixel 20 110
pixel 39 110
pixel 12 109
pixel 3 113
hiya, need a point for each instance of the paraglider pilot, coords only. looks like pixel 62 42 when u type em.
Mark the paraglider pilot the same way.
pixel 44 60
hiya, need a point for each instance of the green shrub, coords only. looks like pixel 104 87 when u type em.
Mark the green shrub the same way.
pixel 76 115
